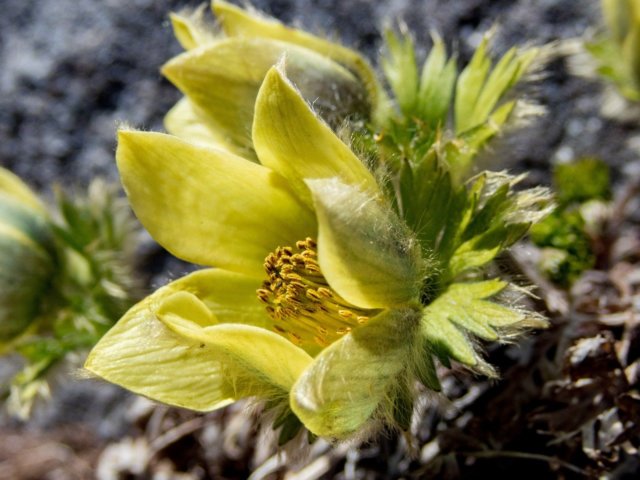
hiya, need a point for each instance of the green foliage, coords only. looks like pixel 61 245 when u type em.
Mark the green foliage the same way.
pixel 440 107
pixel 566 249
pixel 582 180
pixel 474 221
pixel 617 50
pixel 566 244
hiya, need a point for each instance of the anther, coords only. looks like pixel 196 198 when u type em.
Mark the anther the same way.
pixel 296 293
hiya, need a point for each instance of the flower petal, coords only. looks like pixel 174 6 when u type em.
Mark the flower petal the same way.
pixel 353 378
pixel 184 121
pixel 156 350
pixel 208 206
pixel 237 22
pixel 291 139
pixel 12 186
pixel 191 29
pixel 18 212
pixel 230 295
pixel 223 78
pixel 268 361
pixel 364 251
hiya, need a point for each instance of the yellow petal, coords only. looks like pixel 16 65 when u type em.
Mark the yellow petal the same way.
pixel 291 139
pixel 191 29
pixel 231 295
pixel 12 186
pixel 237 22
pixel 265 361
pixel 365 252
pixel 184 121
pixel 32 222
pixel 169 364
pixel 351 380
pixel 208 206
pixel 222 79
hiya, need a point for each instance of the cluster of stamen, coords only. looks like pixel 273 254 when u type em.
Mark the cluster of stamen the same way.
pixel 299 300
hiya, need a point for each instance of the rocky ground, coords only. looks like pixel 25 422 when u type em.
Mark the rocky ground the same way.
pixel 72 69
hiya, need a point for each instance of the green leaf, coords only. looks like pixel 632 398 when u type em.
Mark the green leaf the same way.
pixel 470 255
pixel 402 407
pixel 401 71
pixel 566 246
pixel 469 86
pixel 425 368
pixel 481 88
pixel 431 205
pixel 461 311
pixel 495 217
pixel 437 83
pixel 289 426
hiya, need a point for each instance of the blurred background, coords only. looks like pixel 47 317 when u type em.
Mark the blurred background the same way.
pixel 71 70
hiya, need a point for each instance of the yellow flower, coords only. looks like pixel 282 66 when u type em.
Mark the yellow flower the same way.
pixel 318 302
pixel 252 326
pixel 220 75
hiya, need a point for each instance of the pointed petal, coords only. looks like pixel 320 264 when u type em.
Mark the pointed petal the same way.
pixel 364 250
pixel 191 29
pixel 184 121
pixel 12 186
pixel 156 350
pixel 292 140
pixel 237 22
pixel 209 206
pixel 351 381
pixel 223 78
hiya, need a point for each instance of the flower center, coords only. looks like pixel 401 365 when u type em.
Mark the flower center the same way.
pixel 301 303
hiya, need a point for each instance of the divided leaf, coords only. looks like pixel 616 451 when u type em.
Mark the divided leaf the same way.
pixel 462 311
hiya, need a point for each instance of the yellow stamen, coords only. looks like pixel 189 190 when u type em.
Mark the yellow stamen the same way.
pixel 301 303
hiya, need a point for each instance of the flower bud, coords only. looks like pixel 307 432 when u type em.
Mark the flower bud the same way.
pixel 27 257
pixel 220 76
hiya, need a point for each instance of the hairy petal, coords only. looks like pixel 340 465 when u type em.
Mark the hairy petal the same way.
pixel 223 78
pixel 238 22
pixel 292 140
pixel 364 250
pixel 353 379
